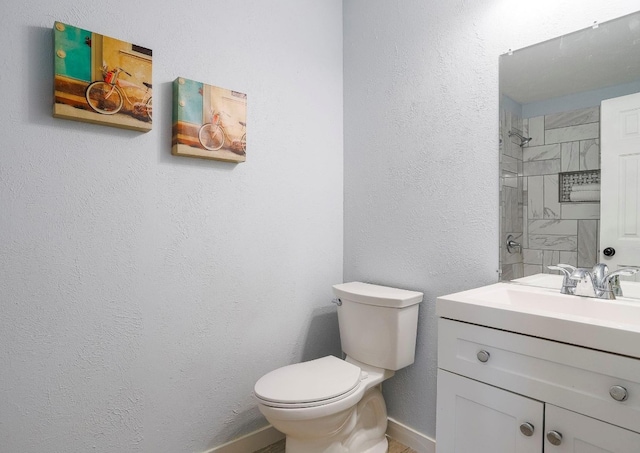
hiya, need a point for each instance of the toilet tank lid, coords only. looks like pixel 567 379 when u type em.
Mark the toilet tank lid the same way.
pixel 382 296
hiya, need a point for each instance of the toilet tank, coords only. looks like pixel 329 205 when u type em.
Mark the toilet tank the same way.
pixel 378 324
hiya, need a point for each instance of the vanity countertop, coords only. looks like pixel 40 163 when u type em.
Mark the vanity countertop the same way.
pixel 612 326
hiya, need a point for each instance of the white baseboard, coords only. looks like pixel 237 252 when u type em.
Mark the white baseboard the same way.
pixel 410 437
pixel 268 435
pixel 251 442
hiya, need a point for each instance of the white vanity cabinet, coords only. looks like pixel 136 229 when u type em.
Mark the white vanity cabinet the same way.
pixel 504 392
pixel 475 417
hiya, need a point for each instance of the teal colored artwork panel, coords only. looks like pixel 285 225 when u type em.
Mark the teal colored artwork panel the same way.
pixel 72 52
pixel 190 101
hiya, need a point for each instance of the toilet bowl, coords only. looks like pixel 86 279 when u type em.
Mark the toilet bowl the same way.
pixel 329 405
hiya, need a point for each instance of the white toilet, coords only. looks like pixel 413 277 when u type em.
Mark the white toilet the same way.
pixel 330 405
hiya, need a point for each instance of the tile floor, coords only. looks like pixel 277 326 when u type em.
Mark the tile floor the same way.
pixel 394 447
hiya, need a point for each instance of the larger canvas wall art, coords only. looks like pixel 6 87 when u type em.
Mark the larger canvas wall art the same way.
pixel 101 80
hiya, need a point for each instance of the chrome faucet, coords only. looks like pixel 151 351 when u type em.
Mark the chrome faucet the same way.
pixel 610 282
pixel 585 284
pixel 568 285
pixel 597 282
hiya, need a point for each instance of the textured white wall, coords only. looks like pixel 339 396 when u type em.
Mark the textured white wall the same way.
pixel 141 294
pixel 421 150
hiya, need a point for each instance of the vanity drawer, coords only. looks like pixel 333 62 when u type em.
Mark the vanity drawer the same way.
pixel 572 377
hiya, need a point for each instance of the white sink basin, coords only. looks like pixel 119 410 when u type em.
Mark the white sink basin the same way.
pixel 612 326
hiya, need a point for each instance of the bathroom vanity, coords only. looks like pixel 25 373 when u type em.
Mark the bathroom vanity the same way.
pixel 525 369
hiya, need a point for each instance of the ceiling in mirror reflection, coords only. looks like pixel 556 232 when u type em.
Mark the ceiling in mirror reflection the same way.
pixel 586 60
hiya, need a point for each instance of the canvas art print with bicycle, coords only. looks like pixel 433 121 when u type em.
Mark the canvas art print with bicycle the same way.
pixel 101 80
pixel 209 122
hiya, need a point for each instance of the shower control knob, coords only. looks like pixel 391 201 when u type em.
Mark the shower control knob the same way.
pixel 483 356
pixel 609 251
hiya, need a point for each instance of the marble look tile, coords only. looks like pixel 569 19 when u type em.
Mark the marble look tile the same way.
pixel 521 189
pixel 536 131
pixel 569 258
pixel 572 118
pixel 543 152
pixel 525 230
pixel 570 156
pixel 518 270
pixel 551 201
pixel 535 197
pixel 572 133
pixel 580 211
pixel 552 242
pixel 531 256
pixel 587 251
pixel 556 226
pixel 507 272
pixel 541 167
pixel 550 258
pixel 509 166
pixel 515 151
pixel 510 181
pixel 532 269
pixel 511 271
pixel 510 207
pixel 509 172
pixel 590 155
pixel 598 239
pixel 511 258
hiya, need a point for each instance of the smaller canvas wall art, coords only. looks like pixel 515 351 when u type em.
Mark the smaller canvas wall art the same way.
pixel 209 122
pixel 101 80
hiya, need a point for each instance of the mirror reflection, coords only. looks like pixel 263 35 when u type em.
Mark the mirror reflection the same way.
pixel 570 153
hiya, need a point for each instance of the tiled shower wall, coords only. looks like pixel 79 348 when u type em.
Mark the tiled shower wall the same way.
pixel 511 194
pixel 552 232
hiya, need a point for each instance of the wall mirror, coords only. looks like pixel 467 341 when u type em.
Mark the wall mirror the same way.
pixel 570 153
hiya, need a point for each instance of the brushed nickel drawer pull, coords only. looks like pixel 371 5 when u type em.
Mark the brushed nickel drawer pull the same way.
pixel 554 437
pixel 618 393
pixel 527 429
pixel 483 356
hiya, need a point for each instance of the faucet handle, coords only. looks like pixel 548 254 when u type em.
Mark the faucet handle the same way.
pixel 611 281
pixel 626 271
pixel 565 271
pixel 568 285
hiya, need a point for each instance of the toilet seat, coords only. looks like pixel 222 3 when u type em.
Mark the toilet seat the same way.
pixel 309 384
